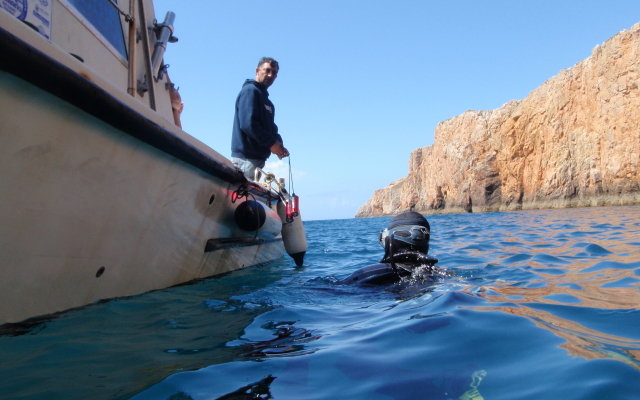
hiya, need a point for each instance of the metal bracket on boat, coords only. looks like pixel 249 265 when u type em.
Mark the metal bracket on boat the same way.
pixel 272 183
pixel 269 177
pixel 142 87
pixel 157 29
pixel 164 35
pixel 162 71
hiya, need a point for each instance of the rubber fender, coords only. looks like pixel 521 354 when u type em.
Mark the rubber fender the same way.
pixel 253 215
pixel 293 236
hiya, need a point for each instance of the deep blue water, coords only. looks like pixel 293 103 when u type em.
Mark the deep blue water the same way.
pixel 525 305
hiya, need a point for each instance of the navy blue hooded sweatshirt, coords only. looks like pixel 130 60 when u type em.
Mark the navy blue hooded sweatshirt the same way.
pixel 254 130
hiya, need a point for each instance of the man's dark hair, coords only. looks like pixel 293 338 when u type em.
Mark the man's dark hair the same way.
pixel 270 61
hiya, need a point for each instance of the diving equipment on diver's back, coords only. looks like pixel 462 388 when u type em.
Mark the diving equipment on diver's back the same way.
pixel 384 273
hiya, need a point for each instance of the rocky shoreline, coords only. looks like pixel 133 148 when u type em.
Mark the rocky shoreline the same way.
pixel 573 142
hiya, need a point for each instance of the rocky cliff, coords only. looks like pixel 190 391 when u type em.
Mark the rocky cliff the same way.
pixel 574 141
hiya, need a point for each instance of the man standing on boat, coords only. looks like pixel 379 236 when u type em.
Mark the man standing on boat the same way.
pixel 255 135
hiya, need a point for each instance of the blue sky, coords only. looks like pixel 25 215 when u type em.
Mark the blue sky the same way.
pixel 363 83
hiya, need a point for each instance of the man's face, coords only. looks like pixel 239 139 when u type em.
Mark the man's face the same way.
pixel 265 74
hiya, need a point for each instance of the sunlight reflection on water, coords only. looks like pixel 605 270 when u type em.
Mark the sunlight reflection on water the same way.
pixel 527 305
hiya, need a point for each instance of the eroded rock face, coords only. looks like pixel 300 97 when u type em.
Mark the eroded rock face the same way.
pixel 574 141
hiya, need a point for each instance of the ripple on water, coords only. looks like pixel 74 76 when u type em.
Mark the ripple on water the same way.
pixel 624 282
pixel 550 271
pixel 574 286
pixel 512 244
pixel 517 258
pixel 481 247
pixel 611 265
pixel 549 259
pixel 605 321
pixel 563 298
pixel 596 250
pixel 534 304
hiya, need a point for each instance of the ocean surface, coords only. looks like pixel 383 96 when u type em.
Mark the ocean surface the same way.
pixel 524 305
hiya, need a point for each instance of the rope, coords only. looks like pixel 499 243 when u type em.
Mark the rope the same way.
pixel 291 179
pixel 127 17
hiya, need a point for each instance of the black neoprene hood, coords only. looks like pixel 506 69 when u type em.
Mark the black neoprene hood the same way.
pixel 409 218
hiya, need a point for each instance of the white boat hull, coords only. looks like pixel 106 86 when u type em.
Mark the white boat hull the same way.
pixel 89 212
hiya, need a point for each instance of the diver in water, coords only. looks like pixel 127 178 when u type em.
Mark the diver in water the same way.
pixel 406 244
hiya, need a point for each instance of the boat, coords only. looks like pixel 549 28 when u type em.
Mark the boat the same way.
pixel 102 195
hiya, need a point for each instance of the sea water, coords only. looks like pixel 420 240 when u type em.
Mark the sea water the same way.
pixel 524 305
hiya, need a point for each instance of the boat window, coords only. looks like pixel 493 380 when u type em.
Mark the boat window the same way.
pixel 105 18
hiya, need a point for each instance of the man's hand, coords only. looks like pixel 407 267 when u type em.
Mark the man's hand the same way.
pixel 279 150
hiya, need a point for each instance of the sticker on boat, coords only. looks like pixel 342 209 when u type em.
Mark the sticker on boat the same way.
pixel 35 13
